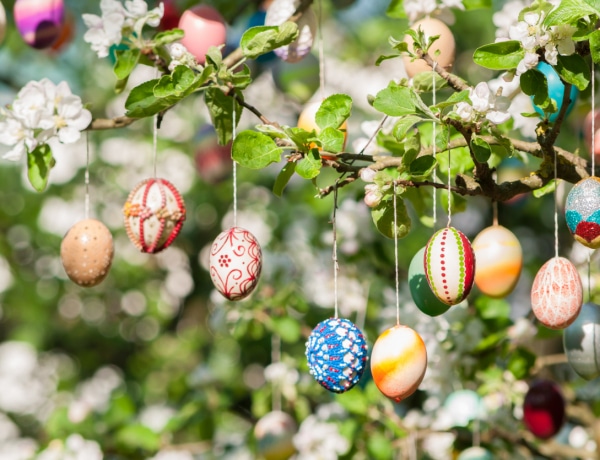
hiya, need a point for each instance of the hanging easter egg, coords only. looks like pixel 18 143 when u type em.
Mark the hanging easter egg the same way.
pixel 154 214
pixel 336 351
pixel 299 80
pixel 203 27
pixel 464 406
pixel 444 45
pixel 39 21
pixel 475 453
pixel 171 15
pixel 274 434
pixel 398 362
pixel 235 263
pixel 449 264
pixel 556 91
pixel 581 341
pixel 582 212
pixel 544 409
pixel 556 293
pixel 87 252
pixel 279 12
pixel 2 22
pixel 587 133
pixel 499 261
pixel 420 291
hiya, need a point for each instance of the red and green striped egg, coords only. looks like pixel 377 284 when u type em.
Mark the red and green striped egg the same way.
pixel 449 263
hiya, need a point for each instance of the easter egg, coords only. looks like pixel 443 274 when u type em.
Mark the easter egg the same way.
pixel 544 409
pixel 556 91
pixel 398 362
pixel 582 212
pixel 464 406
pixel 39 21
pixel 475 453
pixel 171 15
pixel 87 252
pixel 235 263
pixel 449 264
pixel 556 293
pixel 420 291
pixel 299 80
pixel 499 261
pixel 279 12
pixel 581 341
pixel 445 45
pixel 67 34
pixel 307 120
pixel 203 27
pixel 336 351
pixel 593 145
pixel 2 22
pixel 274 434
pixel 154 214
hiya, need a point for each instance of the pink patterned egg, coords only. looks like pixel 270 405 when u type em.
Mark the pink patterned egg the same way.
pixel 449 265
pixel 39 21
pixel 204 27
pixel 279 12
pixel 154 214
pixel 235 263
pixel 499 261
pixel 557 293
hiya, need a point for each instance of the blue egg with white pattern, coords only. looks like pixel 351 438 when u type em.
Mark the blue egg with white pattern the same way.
pixel 556 91
pixel 337 354
pixel 582 212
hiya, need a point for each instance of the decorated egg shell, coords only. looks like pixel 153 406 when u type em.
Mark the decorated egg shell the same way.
pixel 235 263
pixel 154 214
pixel 464 406
pixel 499 261
pixel 336 351
pixel 544 409
pixel 274 433
pixel 279 12
pixel 556 293
pixel 398 362
pixel 582 212
pixel 420 291
pixel 39 21
pixel 87 252
pixel 475 453
pixel 2 22
pixel 581 341
pixel 445 45
pixel 556 91
pixel 203 27
pixel 299 80
pixel 449 264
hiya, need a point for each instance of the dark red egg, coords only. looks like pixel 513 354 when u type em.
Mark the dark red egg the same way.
pixel 544 409
pixel 170 19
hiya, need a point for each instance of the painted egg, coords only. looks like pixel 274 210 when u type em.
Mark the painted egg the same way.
pixel 274 434
pixel 582 212
pixel 203 27
pixel 171 16
pixel 544 409
pixel 2 22
pixel 464 406
pixel 445 45
pixel 337 352
pixel 39 21
pixel 279 12
pixel 235 263
pixel 587 133
pixel 556 91
pixel 449 264
pixel 154 214
pixel 556 293
pixel 307 120
pixel 87 252
pixel 581 341
pixel 499 261
pixel 67 34
pixel 299 80
pixel 422 294
pixel 475 453
pixel 398 362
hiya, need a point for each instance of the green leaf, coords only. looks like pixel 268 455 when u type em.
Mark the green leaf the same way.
pixel 255 150
pixel 594 38
pixel 570 11
pixel 454 98
pixel 545 190
pixel 168 36
pixel 220 107
pixel 476 4
pixel 332 140
pixel 396 9
pixel 394 101
pixel 422 167
pixel 334 110
pixel 284 177
pixel 520 362
pixel 310 166
pixel 39 163
pixel 142 102
pixel 176 84
pixel 379 446
pixel 126 60
pixel 573 69
pixel 403 125
pixel 120 412
pixel 499 56
pixel 425 82
pixel 136 436
pixel 383 217
pixel 260 40
pixel 287 328
pixel 534 83
pixel 354 402
pixel 481 149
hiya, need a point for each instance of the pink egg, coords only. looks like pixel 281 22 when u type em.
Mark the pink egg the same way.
pixel 280 11
pixel 39 21
pixel 557 293
pixel 235 263
pixel 449 265
pixel 398 362
pixel 499 261
pixel 204 27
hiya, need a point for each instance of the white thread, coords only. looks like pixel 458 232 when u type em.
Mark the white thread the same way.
pixel 275 358
pixel 555 205
pixel 87 176
pixel 334 256
pixel 155 142
pixel 321 50
pixel 379 128
pixel 396 258
pixel 593 152
pixel 233 135
pixel 449 191
pixel 434 148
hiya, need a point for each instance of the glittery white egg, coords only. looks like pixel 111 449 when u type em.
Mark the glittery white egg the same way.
pixel 235 263
pixel 449 265
pixel 87 252
pixel 582 212
pixel 154 214
pixel 278 13
pixel 556 293
pixel 274 434
pixel 581 341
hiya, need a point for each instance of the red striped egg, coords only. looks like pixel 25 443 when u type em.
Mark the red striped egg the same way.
pixel 557 293
pixel 449 263
pixel 398 362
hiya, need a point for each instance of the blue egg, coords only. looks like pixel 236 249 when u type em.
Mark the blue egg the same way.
pixel 556 91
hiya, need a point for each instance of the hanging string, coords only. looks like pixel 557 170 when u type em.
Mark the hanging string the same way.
pixel 87 175
pixel 396 258
pixel 589 275
pixel 334 256
pixel 555 205
pixel 276 358
pixel 155 142
pixel 434 146
pixel 449 191
pixel 494 213
pixel 412 444
pixel 321 49
pixel 233 135
pixel 593 153
pixel 477 431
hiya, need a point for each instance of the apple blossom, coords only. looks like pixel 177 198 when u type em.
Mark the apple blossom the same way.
pixel 484 104
pixel 106 30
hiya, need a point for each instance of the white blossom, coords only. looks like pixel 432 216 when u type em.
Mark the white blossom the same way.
pixel 528 62
pixel 507 17
pixel 321 440
pixel 106 30
pixel 75 447
pixel 137 15
pixel 484 104
pixel 181 56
